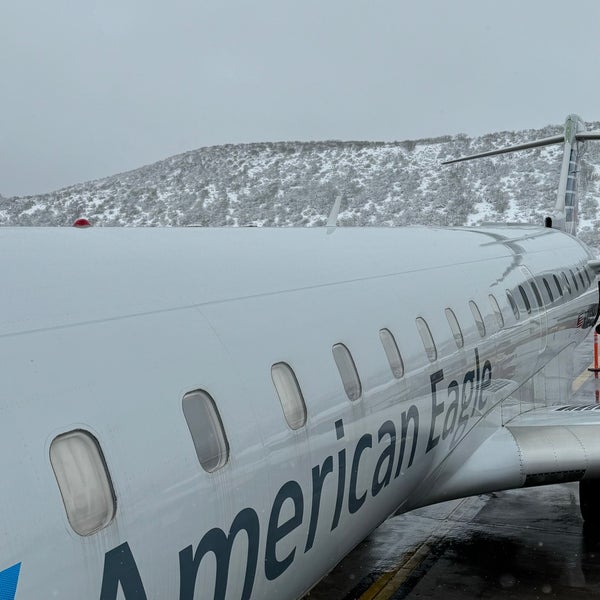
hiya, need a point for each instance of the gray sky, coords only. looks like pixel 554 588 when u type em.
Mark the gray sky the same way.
pixel 90 88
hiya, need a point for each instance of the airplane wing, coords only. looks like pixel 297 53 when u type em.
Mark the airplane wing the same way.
pixel 543 446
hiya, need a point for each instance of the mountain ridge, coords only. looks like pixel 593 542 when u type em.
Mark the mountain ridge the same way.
pixel 295 184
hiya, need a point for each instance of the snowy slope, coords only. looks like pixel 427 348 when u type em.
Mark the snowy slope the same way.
pixel 295 183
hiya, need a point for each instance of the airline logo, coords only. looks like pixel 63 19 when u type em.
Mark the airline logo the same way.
pixel 8 582
pixel 453 404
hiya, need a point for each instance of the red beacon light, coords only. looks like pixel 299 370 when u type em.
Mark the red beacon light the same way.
pixel 81 222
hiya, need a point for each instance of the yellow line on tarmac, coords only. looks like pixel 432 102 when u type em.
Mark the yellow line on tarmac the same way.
pixel 388 583
pixel 581 379
pixel 377 586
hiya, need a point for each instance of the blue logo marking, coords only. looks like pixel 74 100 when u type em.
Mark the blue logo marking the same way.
pixel 8 582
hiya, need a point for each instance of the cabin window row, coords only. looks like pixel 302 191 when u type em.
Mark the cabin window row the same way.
pixel 455 328
pixel 556 288
pixel 203 418
pixel 561 290
pixel 80 468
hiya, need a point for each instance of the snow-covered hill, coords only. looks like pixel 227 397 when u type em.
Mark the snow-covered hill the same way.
pixel 295 183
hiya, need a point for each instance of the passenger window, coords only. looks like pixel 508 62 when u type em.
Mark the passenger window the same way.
pixel 290 395
pixel 583 286
pixel 455 328
pixel 558 286
pixel 497 311
pixel 587 275
pixel 478 319
pixel 566 280
pixel 513 305
pixel 574 280
pixel 391 351
pixel 83 481
pixel 525 299
pixel 206 427
pixel 536 293
pixel 348 373
pixel 548 290
pixel 427 338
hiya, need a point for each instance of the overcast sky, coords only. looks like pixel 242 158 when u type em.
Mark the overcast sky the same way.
pixel 90 88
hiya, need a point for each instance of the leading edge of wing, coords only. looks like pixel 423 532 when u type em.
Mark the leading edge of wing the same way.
pixel 543 446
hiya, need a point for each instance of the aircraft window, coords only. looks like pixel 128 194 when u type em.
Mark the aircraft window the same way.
pixel 455 327
pixel 583 286
pixel 478 318
pixel 497 311
pixel 558 286
pixel 536 293
pixel 513 305
pixel 566 280
pixel 83 481
pixel 348 373
pixel 548 290
pixel 587 275
pixel 206 428
pixel 574 280
pixel 290 395
pixel 427 338
pixel 525 299
pixel 392 352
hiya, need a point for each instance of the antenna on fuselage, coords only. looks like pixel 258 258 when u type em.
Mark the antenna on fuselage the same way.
pixel 564 216
pixel 333 215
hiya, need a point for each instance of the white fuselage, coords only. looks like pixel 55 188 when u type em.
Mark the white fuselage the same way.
pixel 106 330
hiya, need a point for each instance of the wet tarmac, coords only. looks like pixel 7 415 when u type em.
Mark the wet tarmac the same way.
pixel 523 544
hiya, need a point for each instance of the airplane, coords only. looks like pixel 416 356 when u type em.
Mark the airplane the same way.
pixel 225 413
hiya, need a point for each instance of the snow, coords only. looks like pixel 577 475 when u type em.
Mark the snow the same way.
pixel 295 184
